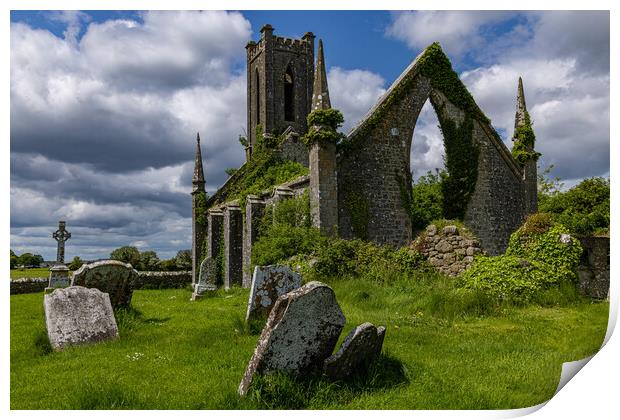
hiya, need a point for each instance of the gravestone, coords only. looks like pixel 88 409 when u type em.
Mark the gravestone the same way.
pixel 301 332
pixel 268 284
pixel 207 278
pixel 78 315
pixel 110 276
pixel 358 350
pixel 59 277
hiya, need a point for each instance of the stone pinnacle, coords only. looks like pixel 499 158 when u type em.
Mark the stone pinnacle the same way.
pixel 320 93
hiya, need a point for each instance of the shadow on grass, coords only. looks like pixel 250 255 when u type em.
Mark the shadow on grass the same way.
pixel 251 327
pixel 280 391
pixel 42 346
pixel 129 318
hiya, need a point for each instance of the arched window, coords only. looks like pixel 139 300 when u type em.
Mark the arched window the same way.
pixel 257 107
pixel 289 95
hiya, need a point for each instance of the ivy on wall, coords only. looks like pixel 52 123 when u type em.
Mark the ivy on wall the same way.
pixel 356 205
pixel 323 125
pixel 265 170
pixel 461 161
pixel 524 139
pixel 201 208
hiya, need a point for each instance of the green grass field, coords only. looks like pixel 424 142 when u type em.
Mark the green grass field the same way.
pixel 439 353
pixel 19 273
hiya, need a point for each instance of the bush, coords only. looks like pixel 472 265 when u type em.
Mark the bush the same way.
pixel 540 256
pixel 584 209
pixel 279 242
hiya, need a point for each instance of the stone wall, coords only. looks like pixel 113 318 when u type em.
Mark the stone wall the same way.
pixel 163 279
pixel 593 270
pixel 374 178
pixel 451 252
pixel 28 285
pixel 146 280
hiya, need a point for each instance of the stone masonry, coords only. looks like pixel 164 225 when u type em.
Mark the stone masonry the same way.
pixel 448 250
pixel 233 246
pixel 254 209
pixel 362 189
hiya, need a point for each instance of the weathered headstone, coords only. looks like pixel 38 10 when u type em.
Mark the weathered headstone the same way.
pixel 301 332
pixel 59 276
pixel 110 276
pixel 268 284
pixel 359 348
pixel 207 278
pixel 78 315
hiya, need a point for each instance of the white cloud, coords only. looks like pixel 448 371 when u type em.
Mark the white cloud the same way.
pixel 457 31
pixel 354 92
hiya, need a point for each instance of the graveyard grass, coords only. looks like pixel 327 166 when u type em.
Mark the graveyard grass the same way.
pixel 29 273
pixel 439 353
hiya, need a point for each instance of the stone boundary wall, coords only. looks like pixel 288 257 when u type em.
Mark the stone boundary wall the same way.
pixel 593 269
pixel 447 250
pixel 146 280
pixel 28 285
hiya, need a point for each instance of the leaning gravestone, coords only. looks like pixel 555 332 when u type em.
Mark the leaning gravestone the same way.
pixel 207 278
pixel 268 284
pixel 110 276
pixel 359 348
pixel 78 315
pixel 301 331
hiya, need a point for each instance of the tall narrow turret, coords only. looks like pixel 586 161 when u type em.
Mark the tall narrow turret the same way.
pixel 523 151
pixel 320 93
pixel 199 226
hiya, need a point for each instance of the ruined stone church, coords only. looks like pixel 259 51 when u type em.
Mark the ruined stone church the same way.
pixel 361 186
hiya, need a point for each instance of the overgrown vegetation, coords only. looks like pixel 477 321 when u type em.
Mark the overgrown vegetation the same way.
pixel 265 170
pixel 584 209
pixel 523 147
pixel 540 257
pixel 323 127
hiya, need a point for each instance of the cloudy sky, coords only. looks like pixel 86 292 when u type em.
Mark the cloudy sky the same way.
pixel 105 105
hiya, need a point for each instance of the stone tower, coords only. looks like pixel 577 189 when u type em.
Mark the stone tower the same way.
pixel 279 87
pixel 530 175
pixel 199 216
pixel 322 156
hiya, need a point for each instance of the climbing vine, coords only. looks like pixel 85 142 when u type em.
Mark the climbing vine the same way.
pixel 435 66
pixel 461 161
pixel 201 208
pixel 523 148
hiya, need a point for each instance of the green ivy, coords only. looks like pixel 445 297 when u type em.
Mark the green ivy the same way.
pixel 523 147
pixel 538 257
pixel 461 161
pixel 331 118
pixel 323 125
pixel 201 208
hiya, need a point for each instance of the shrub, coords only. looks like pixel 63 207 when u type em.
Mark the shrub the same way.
pixel 584 209
pixel 279 242
pixel 540 256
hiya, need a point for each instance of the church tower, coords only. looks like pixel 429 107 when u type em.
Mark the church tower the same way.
pixel 279 87
pixel 524 134
pixel 198 212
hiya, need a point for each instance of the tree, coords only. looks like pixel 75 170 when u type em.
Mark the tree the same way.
pixel 29 260
pixel 76 263
pixel 184 259
pixel 14 260
pixel 168 265
pixel 127 254
pixel 149 261
pixel 427 199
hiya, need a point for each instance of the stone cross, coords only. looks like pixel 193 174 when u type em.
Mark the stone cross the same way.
pixel 61 236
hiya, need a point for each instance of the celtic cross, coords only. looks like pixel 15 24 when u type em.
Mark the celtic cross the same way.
pixel 61 236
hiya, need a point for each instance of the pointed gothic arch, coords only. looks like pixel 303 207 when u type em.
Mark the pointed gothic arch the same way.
pixel 374 184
